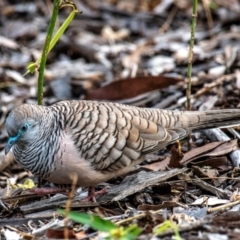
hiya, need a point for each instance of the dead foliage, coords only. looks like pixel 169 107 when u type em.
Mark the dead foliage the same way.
pixel 133 52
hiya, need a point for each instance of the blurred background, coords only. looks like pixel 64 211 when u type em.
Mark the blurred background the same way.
pixel 113 40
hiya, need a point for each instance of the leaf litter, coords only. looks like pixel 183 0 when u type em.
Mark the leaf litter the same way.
pixel 132 52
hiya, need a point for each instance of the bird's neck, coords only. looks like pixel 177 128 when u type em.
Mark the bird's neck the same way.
pixel 37 156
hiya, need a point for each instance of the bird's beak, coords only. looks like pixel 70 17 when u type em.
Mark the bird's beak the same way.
pixel 9 145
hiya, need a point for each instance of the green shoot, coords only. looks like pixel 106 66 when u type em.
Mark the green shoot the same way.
pixel 114 232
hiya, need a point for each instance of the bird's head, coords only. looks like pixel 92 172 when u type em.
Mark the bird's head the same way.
pixel 22 126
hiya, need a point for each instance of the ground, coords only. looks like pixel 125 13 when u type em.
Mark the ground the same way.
pixel 133 52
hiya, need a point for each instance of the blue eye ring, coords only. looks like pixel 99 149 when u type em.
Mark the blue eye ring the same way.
pixel 24 128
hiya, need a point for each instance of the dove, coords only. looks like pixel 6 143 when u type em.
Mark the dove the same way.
pixel 98 141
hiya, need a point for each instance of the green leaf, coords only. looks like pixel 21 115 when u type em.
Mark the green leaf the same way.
pixel 61 30
pixel 165 226
pixel 132 232
pixel 31 67
pixel 93 221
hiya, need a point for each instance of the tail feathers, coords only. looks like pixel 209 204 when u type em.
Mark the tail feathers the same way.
pixel 213 118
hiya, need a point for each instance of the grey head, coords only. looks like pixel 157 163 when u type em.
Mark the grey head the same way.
pixel 22 125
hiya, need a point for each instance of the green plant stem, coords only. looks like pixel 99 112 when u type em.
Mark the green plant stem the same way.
pixel 45 50
pixel 190 54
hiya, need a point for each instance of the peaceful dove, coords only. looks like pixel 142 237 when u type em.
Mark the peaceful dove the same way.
pixel 98 140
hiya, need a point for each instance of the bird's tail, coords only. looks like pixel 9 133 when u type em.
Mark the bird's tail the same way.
pixel 187 119
pixel 211 118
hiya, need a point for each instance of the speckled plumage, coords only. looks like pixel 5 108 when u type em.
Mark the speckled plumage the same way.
pixel 98 140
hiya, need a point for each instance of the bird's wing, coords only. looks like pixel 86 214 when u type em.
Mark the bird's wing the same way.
pixel 112 138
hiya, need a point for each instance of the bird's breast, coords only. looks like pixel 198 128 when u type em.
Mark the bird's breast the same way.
pixel 69 163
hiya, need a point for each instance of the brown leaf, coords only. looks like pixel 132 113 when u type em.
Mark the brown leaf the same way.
pixel 158 166
pixel 176 157
pixel 213 162
pixel 130 87
pixel 165 204
pixel 209 150
pixel 58 234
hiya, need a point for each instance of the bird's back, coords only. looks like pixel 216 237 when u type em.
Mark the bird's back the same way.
pixel 113 136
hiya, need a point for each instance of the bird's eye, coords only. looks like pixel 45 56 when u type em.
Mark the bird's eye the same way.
pixel 24 128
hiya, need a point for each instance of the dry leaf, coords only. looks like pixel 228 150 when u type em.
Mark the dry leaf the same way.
pixel 211 149
pixel 59 234
pixel 175 157
pixel 158 166
pixel 165 204
pixel 130 87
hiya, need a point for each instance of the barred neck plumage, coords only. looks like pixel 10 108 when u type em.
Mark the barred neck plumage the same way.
pixel 38 155
pixel 62 110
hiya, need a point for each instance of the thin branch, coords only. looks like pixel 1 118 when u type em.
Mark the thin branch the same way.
pixel 190 54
